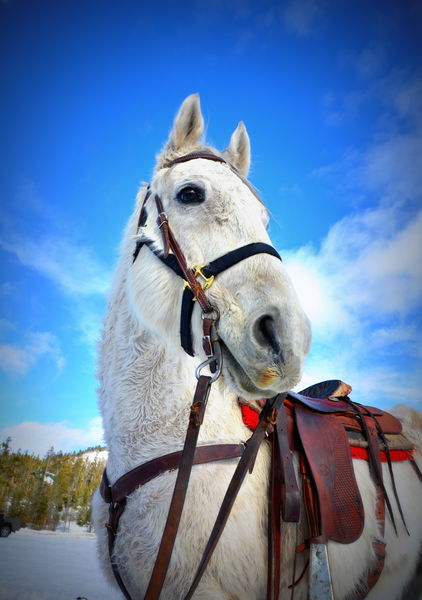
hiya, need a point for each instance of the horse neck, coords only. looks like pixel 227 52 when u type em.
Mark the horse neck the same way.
pixel 146 389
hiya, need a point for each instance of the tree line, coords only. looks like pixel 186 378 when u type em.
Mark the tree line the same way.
pixel 44 492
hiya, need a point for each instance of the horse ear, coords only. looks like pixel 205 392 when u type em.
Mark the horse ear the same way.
pixel 188 125
pixel 238 152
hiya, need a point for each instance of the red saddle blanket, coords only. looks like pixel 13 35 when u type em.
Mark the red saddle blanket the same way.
pixel 250 419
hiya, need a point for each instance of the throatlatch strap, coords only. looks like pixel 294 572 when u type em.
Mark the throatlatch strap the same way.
pixel 171 262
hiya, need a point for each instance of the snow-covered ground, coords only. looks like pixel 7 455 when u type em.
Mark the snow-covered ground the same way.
pixel 46 565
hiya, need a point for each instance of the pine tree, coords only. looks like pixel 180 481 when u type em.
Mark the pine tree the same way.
pixel 43 492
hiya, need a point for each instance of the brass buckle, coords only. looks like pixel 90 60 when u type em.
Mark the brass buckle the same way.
pixel 208 280
pixel 198 271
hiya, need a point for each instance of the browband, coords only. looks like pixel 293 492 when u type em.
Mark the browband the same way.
pixel 211 156
pixel 194 155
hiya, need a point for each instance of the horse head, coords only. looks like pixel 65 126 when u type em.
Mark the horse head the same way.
pixel 213 210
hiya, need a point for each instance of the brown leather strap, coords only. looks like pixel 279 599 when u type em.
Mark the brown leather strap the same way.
pixel 116 494
pixel 274 524
pixel 390 469
pixel 192 156
pixel 179 494
pixel 140 475
pixel 267 419
pixel 290 495
pixel 163 225
pixel 284 499
pixel 370 432
pixel 211 156
pixel 170 242
pixel 114 513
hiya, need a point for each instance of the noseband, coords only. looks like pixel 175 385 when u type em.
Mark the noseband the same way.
pixel 201 277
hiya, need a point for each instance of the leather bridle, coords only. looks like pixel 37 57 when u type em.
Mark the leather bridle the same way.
pixel 193 288
pixel 172 256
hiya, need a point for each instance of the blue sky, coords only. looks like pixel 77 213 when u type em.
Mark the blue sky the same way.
pixel 331 95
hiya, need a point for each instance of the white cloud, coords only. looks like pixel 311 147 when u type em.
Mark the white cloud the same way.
pixel 71 266
pixel 18 360
pixel 76 272
pixel 14 360
pixel 362 290
pixel 362 287
pixel 363 269
pixel 38 438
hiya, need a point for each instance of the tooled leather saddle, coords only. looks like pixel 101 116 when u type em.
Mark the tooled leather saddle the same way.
pixel 327 433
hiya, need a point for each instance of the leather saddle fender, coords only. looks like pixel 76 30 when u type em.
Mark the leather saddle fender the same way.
pixel 326 448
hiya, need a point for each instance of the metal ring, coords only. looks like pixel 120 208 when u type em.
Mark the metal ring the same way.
pixel 217 357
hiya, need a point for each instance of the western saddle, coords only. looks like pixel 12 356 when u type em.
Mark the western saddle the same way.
pixel 324 431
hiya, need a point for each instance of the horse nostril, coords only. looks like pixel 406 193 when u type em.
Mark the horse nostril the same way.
pixel 267 335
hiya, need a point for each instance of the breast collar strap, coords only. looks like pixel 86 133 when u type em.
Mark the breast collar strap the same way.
pixel 200 278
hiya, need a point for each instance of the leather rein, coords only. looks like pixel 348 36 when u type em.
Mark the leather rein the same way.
pixel 115 495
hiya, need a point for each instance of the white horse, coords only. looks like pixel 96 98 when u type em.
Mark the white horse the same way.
pixel 147 382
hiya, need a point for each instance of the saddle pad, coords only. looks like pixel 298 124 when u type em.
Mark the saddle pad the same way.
pixel 396 441
pixel 400 447
pixel 395 455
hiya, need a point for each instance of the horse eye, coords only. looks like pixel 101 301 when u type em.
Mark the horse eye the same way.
pixel 190 195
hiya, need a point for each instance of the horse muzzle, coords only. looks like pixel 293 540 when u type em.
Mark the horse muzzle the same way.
pixel 261 361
